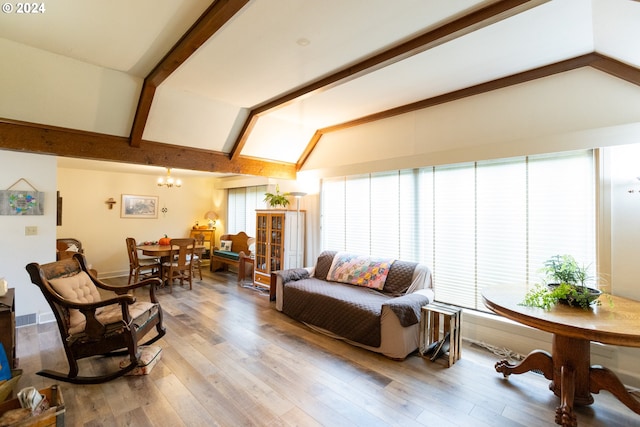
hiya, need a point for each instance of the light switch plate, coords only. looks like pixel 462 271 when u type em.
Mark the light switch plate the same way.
pixel 30 230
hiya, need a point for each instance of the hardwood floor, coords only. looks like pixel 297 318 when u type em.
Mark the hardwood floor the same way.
pixel 230 359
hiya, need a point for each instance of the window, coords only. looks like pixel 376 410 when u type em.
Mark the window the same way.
pixel 241 208
pixel 475 224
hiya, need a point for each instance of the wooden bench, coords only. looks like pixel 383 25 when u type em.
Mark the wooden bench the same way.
pixel 239 249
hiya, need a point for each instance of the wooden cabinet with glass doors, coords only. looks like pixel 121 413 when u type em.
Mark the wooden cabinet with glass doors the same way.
pixel 279 243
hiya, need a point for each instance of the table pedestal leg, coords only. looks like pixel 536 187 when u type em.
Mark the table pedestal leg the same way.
pixel 568 369
pixel 573 354
pixel 604 379
pixel 564 413
pixel 537 360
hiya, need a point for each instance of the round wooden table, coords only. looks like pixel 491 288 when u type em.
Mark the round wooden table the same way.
pixel 163 251
pixel 573 379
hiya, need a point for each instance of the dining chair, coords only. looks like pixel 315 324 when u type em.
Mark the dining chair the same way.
pixel 140 267
pixel 197 258
pixel 66 247
pixel 179 264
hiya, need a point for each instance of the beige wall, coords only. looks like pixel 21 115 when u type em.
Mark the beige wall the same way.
pixel 102 231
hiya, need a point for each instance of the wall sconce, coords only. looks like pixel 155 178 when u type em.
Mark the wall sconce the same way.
pixel 110 201
pixel 212 217
pixel 169 182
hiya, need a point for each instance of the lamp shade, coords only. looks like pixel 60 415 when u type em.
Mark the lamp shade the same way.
pixel 211 215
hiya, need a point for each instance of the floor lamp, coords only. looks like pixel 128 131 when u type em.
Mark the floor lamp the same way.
pixel 298 195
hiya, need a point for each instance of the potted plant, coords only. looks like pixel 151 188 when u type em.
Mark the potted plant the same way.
pixel 277 199
pixel 566 282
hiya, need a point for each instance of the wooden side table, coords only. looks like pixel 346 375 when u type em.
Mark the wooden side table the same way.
pixel 432 316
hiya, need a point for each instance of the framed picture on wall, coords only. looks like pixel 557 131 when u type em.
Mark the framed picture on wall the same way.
pixel 139 206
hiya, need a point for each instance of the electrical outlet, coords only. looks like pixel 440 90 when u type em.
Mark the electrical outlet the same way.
pixel 30 230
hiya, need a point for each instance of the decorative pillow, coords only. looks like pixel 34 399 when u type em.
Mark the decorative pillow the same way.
pixel 77 288
pixel 225 245
pixel 359 270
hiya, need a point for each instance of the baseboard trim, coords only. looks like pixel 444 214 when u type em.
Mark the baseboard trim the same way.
pixel 26 319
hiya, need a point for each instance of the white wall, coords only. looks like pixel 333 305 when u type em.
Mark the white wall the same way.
pixel 42 87
pixel 17 250
pixel 582 108
pixel 625 219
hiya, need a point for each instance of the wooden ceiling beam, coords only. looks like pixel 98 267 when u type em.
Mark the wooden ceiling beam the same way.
pixel 218 14
pixel 490 14
pixel 40 139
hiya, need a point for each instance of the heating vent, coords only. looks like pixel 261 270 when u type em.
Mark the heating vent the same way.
pixel 27 319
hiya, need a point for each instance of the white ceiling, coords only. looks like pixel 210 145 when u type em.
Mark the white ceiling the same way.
pixel 272 47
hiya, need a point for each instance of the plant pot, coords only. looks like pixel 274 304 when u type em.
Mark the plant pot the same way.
pixel 586 296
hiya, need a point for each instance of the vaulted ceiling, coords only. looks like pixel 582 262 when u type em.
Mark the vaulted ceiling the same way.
pixel 251 86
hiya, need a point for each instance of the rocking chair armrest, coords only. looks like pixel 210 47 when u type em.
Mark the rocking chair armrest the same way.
pixel 152 282
pixel 124 289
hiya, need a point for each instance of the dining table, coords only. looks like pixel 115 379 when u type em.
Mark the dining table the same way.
pixel 163 252
pixel 614 320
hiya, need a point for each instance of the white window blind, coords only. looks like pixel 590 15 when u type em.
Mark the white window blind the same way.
pixel 475 225
pixel 385 217
pixel 454 233
pixel 241 208
pixel 358 214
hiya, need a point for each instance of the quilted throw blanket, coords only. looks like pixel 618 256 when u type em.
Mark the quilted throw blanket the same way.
pixel 359 270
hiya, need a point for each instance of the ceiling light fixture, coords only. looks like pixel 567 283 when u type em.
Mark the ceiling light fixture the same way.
pixel 169 182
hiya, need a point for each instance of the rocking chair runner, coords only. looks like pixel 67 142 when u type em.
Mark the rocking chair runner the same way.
pixel 91 326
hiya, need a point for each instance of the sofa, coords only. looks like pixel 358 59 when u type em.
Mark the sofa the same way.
pixel 373 303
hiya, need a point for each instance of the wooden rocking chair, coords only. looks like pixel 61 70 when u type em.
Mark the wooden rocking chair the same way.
pixel 90 325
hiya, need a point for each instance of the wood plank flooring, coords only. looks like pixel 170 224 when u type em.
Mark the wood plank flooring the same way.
pixel 230 359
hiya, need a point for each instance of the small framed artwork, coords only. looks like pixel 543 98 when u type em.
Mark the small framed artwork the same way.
pixel 139 206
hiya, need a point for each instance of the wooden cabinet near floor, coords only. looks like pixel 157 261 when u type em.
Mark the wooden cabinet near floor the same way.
pixel 8 325
pixel 279 243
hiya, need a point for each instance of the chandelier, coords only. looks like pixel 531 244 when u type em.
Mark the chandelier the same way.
pixel 169 181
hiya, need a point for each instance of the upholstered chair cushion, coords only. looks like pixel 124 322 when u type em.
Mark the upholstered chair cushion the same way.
pixel 80 288
pixel 140 312
pixel 76 288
